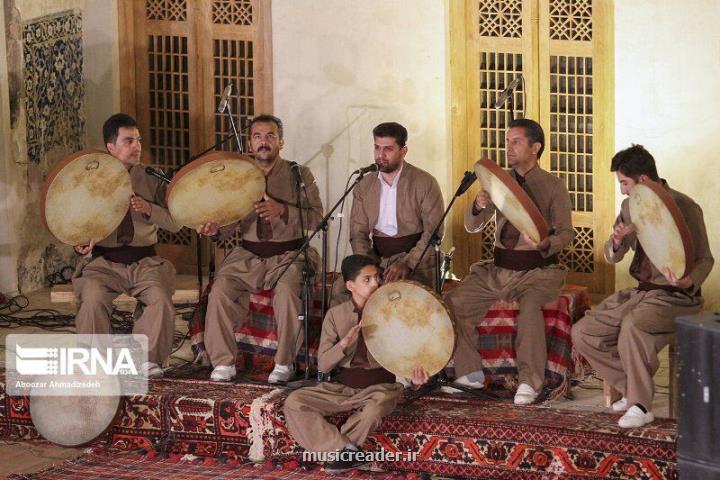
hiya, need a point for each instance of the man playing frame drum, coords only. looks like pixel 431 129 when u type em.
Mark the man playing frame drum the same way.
pixel 270 236
pixel 125 261
pixel 622 336
pixel 523 269
pixel 361 383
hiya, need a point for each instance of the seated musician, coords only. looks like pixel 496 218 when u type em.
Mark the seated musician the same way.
pixel 522 270
pixel 394 212
pixel 360 384
pixel 271 235
pixel 125 261
pixel 622 336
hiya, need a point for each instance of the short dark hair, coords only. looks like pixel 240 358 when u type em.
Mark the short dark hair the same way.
pixel 352 264
pixel 112 126
pixel 394 130
pixel 533 131
pixel 267 118
pixel 633 162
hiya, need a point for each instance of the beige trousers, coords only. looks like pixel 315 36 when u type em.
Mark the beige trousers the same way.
pixel 240 274
pixel 486 284
pixel 622 336
pixel 306 408
pixel 151 281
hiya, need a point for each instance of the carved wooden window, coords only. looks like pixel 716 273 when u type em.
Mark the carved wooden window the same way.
pixel 563 49
pixel 180 56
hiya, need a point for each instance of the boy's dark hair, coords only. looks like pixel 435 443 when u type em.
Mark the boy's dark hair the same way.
pixel 633 162
pixel 267 118
pixel 394 130
pixel 112 126
pixel 352 264
pixel 533 131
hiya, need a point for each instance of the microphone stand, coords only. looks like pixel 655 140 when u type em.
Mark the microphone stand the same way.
pixel 322 226
pixel 441 379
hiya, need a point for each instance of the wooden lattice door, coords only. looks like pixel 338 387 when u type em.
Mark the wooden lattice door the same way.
pixel 178 56
pixel 563 49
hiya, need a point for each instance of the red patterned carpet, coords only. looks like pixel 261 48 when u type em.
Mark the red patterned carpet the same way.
pixel 459 437
pixel 101 467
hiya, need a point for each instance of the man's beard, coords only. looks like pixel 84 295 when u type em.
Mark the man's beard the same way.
pixel 389 168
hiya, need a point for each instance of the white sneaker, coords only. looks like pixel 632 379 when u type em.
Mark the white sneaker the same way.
pixel 406 383
pixel 466 382
pixel 635 417
pixel 620 405
pixel 151 370
pixel 281 373
pixel 223 373
pixel 525 395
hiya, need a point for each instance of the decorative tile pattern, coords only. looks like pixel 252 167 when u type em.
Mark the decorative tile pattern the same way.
pixel 578 256
pixel 54 84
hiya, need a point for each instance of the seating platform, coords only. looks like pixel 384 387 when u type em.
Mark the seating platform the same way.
pixel 454 436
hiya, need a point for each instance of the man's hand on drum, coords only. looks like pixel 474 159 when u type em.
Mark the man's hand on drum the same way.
pixel 419 377
pixel 685 282
pixel 620 231
pixel 209 229
pixel 544 244
pixel 481 200
pixel 140 205
pixel 396 271
pixel 351 336
pixel 269 209
pixel 85 249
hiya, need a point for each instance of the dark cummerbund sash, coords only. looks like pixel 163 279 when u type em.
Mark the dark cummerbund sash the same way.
pixel 364 377
pixel 123 254
pixel 647 286
pixel 388 246
pixel 270 249
pixel 521 259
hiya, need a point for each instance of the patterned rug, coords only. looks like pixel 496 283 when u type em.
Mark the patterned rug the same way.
pixel 451 436
pixel 96 466
pixel 471 438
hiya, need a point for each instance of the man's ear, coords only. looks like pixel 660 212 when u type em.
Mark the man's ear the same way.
pixel 643 178
pixel 350 285
pixel 536 146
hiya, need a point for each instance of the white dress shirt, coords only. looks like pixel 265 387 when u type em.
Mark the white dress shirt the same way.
pixel 387 217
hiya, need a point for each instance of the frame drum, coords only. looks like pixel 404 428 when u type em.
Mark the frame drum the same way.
pixel 404 325
pixel 661 228
pixel 509 197
pixel 85 197
pixel 222 187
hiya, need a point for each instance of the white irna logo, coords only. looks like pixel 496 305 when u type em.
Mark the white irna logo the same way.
pixel 72 360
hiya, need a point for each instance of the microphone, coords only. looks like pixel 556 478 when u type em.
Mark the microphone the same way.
pixel 370 168
pixel 296 173
pixel 507 92
pixel 224 99
pixel 468 179
pixel 157 174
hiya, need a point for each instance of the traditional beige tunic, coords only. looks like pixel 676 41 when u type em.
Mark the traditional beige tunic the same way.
pixel 419 208
pixel 151 280
pixel 306 408
pixel 243 272
pixel 531 287
pixel 622 336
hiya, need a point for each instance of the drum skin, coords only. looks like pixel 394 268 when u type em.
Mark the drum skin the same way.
pixel 404 325
pixel 72 421
pixel 85 197
pixel 661 228
pixel 509 197
pixel 222 187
